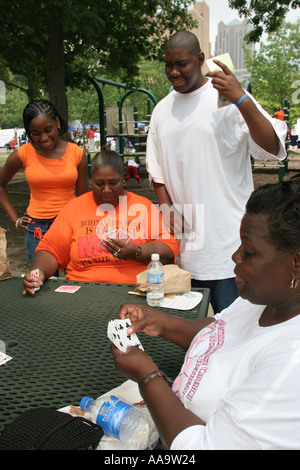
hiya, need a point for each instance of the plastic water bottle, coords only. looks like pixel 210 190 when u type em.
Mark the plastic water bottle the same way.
pixel 116 418
pixel 155 282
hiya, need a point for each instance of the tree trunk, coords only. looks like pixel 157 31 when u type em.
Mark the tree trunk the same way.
pixel 30 90
pixel 56 68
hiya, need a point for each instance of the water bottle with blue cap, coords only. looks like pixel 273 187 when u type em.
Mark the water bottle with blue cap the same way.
pixel 117 418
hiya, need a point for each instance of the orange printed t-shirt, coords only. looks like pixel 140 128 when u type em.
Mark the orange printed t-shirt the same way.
pixel 51 182
pixel 75 236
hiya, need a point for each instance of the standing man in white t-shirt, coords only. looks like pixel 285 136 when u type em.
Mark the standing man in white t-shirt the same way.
pixel 198 159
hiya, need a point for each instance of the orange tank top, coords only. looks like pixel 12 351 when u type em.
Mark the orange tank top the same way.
pixel 51 182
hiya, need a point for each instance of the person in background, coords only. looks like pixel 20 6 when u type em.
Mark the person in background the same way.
pixel 132 170
pixel 238 388
pixel 12 144
pixel 53 167
pixel 91 138
pixel 279 114
pixel 199 165
pixel 105 235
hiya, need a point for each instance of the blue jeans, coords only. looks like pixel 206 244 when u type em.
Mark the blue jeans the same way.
pixel 33 235
pixel 223 292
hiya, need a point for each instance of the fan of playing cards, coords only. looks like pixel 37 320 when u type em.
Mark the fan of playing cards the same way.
pixel 117 333
pixel 114 235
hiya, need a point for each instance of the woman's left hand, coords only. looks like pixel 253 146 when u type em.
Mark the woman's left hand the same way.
pixel 120 249
pixel 135 364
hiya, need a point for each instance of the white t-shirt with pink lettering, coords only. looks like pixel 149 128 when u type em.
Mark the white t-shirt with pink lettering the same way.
pixel 243 381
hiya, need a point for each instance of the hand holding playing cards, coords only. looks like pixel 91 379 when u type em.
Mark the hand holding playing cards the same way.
pixel 130 358
pixel 32 281
pixel 143 318
pixel 121 249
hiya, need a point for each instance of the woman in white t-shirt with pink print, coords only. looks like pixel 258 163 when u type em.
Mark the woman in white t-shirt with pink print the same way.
pixel 239 385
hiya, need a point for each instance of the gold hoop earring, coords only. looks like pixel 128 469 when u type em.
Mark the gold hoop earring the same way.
pixel 294 283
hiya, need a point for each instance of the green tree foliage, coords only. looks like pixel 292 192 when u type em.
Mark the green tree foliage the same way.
pixel 265 16
pixel 11 112
pixel 275 70
pixel 57 44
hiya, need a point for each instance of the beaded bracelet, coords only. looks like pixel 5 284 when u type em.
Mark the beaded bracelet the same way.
pixel 241 99
pixel 153 375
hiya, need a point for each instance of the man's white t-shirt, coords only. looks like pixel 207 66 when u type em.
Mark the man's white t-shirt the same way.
pixel 202 155
pixel 243 381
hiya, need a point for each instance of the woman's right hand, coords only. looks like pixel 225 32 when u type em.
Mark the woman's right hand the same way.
pixel 29 284
pixel 144 319
pixel 24 220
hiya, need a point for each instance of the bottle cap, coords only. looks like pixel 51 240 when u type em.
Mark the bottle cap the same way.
pixel 155 257
pixel 86 403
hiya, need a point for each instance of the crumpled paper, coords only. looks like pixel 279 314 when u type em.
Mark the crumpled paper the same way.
pixel 176 280
pixel 5 272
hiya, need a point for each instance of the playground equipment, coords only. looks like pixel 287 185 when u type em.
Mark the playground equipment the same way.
pixel 121 134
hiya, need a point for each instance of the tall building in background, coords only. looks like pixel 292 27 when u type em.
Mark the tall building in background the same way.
pixel 200 13
pixel 230 39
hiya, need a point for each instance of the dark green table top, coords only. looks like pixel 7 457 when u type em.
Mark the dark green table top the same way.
pixel 59 346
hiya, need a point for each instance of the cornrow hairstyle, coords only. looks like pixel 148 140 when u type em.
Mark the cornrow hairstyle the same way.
pixel 108 158
pixel 280 203
pixel 37 107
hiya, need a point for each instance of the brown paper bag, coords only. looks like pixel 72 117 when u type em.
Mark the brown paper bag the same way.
pixel 5 272
pixel 176 280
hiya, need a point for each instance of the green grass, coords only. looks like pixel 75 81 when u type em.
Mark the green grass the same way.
pixel 3 156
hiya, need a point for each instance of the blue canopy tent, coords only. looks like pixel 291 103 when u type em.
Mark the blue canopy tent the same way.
pixel 80 127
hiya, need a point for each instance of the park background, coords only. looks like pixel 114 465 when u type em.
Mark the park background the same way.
pixel 52 50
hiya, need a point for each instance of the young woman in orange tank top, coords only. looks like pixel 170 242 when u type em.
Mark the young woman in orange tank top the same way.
pixel 53 167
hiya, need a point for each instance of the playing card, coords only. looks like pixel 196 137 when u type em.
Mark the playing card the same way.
pixel 4 358
pixel 117 333
pixel 109 235
pixel 114 235
pixel 35 276
pixel 121 235
pixel 68 289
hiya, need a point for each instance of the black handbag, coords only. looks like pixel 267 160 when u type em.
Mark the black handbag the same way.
pixel 49 429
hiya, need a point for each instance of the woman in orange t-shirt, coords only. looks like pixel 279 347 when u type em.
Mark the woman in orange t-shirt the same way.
pixel 53 169
pixel 105 235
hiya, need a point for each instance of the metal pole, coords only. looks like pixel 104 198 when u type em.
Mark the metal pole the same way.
pixel 101 112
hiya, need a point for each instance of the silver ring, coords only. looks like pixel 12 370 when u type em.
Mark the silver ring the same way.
pixel 117 252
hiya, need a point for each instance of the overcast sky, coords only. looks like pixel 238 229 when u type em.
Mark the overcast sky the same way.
pixel 220 11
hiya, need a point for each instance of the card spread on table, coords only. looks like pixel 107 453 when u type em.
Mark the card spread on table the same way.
pixel 68 289
pixel 117 333
pixel 35 276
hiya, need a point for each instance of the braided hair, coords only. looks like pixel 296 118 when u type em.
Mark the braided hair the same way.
pixel 37 107
pixel 280 203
